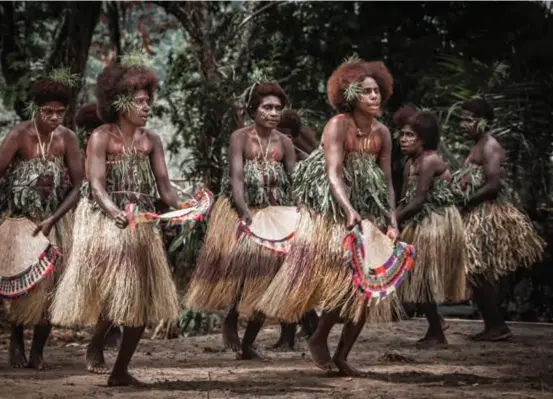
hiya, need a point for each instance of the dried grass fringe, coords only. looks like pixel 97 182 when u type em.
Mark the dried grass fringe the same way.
pixel 314 275
pixel 120 274
pixel 229 272
pixel 33 308
pixel 205 290
pixel 438 274
pixel 500 239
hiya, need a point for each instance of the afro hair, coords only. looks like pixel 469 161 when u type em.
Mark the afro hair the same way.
pixel 427 127
pixel 87 117
pixel 262 90
pixel 46 90
pixel 356 71
pixel 402 115
pixel 479 107
pixel 117 80
pixel 290 123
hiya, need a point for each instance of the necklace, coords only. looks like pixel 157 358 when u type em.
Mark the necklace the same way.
pixel 43 149
pixel 365 138
pixel 261 145
pixel 126 150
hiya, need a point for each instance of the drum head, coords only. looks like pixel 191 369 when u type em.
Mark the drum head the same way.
pixel 275 223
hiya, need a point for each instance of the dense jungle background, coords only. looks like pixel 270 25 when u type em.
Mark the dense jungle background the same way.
pixel 208 53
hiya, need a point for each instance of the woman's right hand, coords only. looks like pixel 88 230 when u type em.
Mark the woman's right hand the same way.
pixel 121 219
pixel 353 219
pixel 246 217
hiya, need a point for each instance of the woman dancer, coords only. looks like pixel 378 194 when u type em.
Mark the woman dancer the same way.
pixel 500 238
pixel 116 275
pixel 345 181
pixel 44 178
pixel 431 222
pixel 261 161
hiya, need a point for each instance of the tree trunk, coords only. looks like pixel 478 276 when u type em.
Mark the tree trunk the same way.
pixel 73 43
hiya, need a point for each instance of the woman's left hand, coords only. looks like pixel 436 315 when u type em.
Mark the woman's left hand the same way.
pixel 392 233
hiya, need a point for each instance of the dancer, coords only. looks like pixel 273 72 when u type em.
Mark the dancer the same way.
pixel 41 161
pixel 87 120
pixel 302 137
pixel 345 181
pixel 305 143
pixel 431 222
pixel 500 238
pixel 236 275
pixel 116 275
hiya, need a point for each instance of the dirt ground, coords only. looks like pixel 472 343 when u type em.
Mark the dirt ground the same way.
pixel 198 368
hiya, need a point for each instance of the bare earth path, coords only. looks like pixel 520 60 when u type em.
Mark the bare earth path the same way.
pixel 196 368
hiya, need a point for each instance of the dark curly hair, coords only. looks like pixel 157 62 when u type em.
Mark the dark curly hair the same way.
pixel 479 107
pixel 425 124
pixel 350 72
pixel 45 90
pixel 87 118
pixel 262 90
pixel 117 80
pixel 290 123
pixel 401 116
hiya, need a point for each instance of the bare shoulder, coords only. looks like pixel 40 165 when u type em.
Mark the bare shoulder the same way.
pixel 284 139
pixel 337 126
pixel 67 133
pixel 152 135
pixel 433 161
pixel 240 135
pixel 101 134
pixel 20 129
pixel 382 129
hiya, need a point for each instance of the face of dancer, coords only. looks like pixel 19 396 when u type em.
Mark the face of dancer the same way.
pixel 50 116
pixel 269 111
pixel 469 123
pixel 370 99
pixel 141 102
pixel 409 141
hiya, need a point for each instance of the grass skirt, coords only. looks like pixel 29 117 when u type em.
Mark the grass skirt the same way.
pixel 438 274
pixel 120 274
pixel 315 275
pixel 230 272
pixel 33 307
pixel 206 290
pixel 500 239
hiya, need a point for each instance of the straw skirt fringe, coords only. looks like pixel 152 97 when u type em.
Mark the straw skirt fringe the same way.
pixel 33 308
pixel 500 239
pixel 119 274
pixel 315 275
pixel 439 271
pixel 230 272
pixel 206 290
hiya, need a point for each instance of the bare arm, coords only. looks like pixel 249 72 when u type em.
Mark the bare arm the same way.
pixel 406 170
pixel 385 162
pixel 9 148
pixel 334 134
pixel 492 171
pixel 427 172
pixel 96 159
pixel 157 159
pixel 74 164
pixel 236 155
pixel 289 155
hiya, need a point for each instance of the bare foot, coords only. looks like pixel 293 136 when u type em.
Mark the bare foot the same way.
pixel 282 346
pixel 17 357
pixel 95 362
pixel 346 370
pixel 431 341
pixel 231 340
pixel 123 380
pixel 476 337
pixel 496 334
pixel 320 355
pixel 249 354
pixel 37 362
